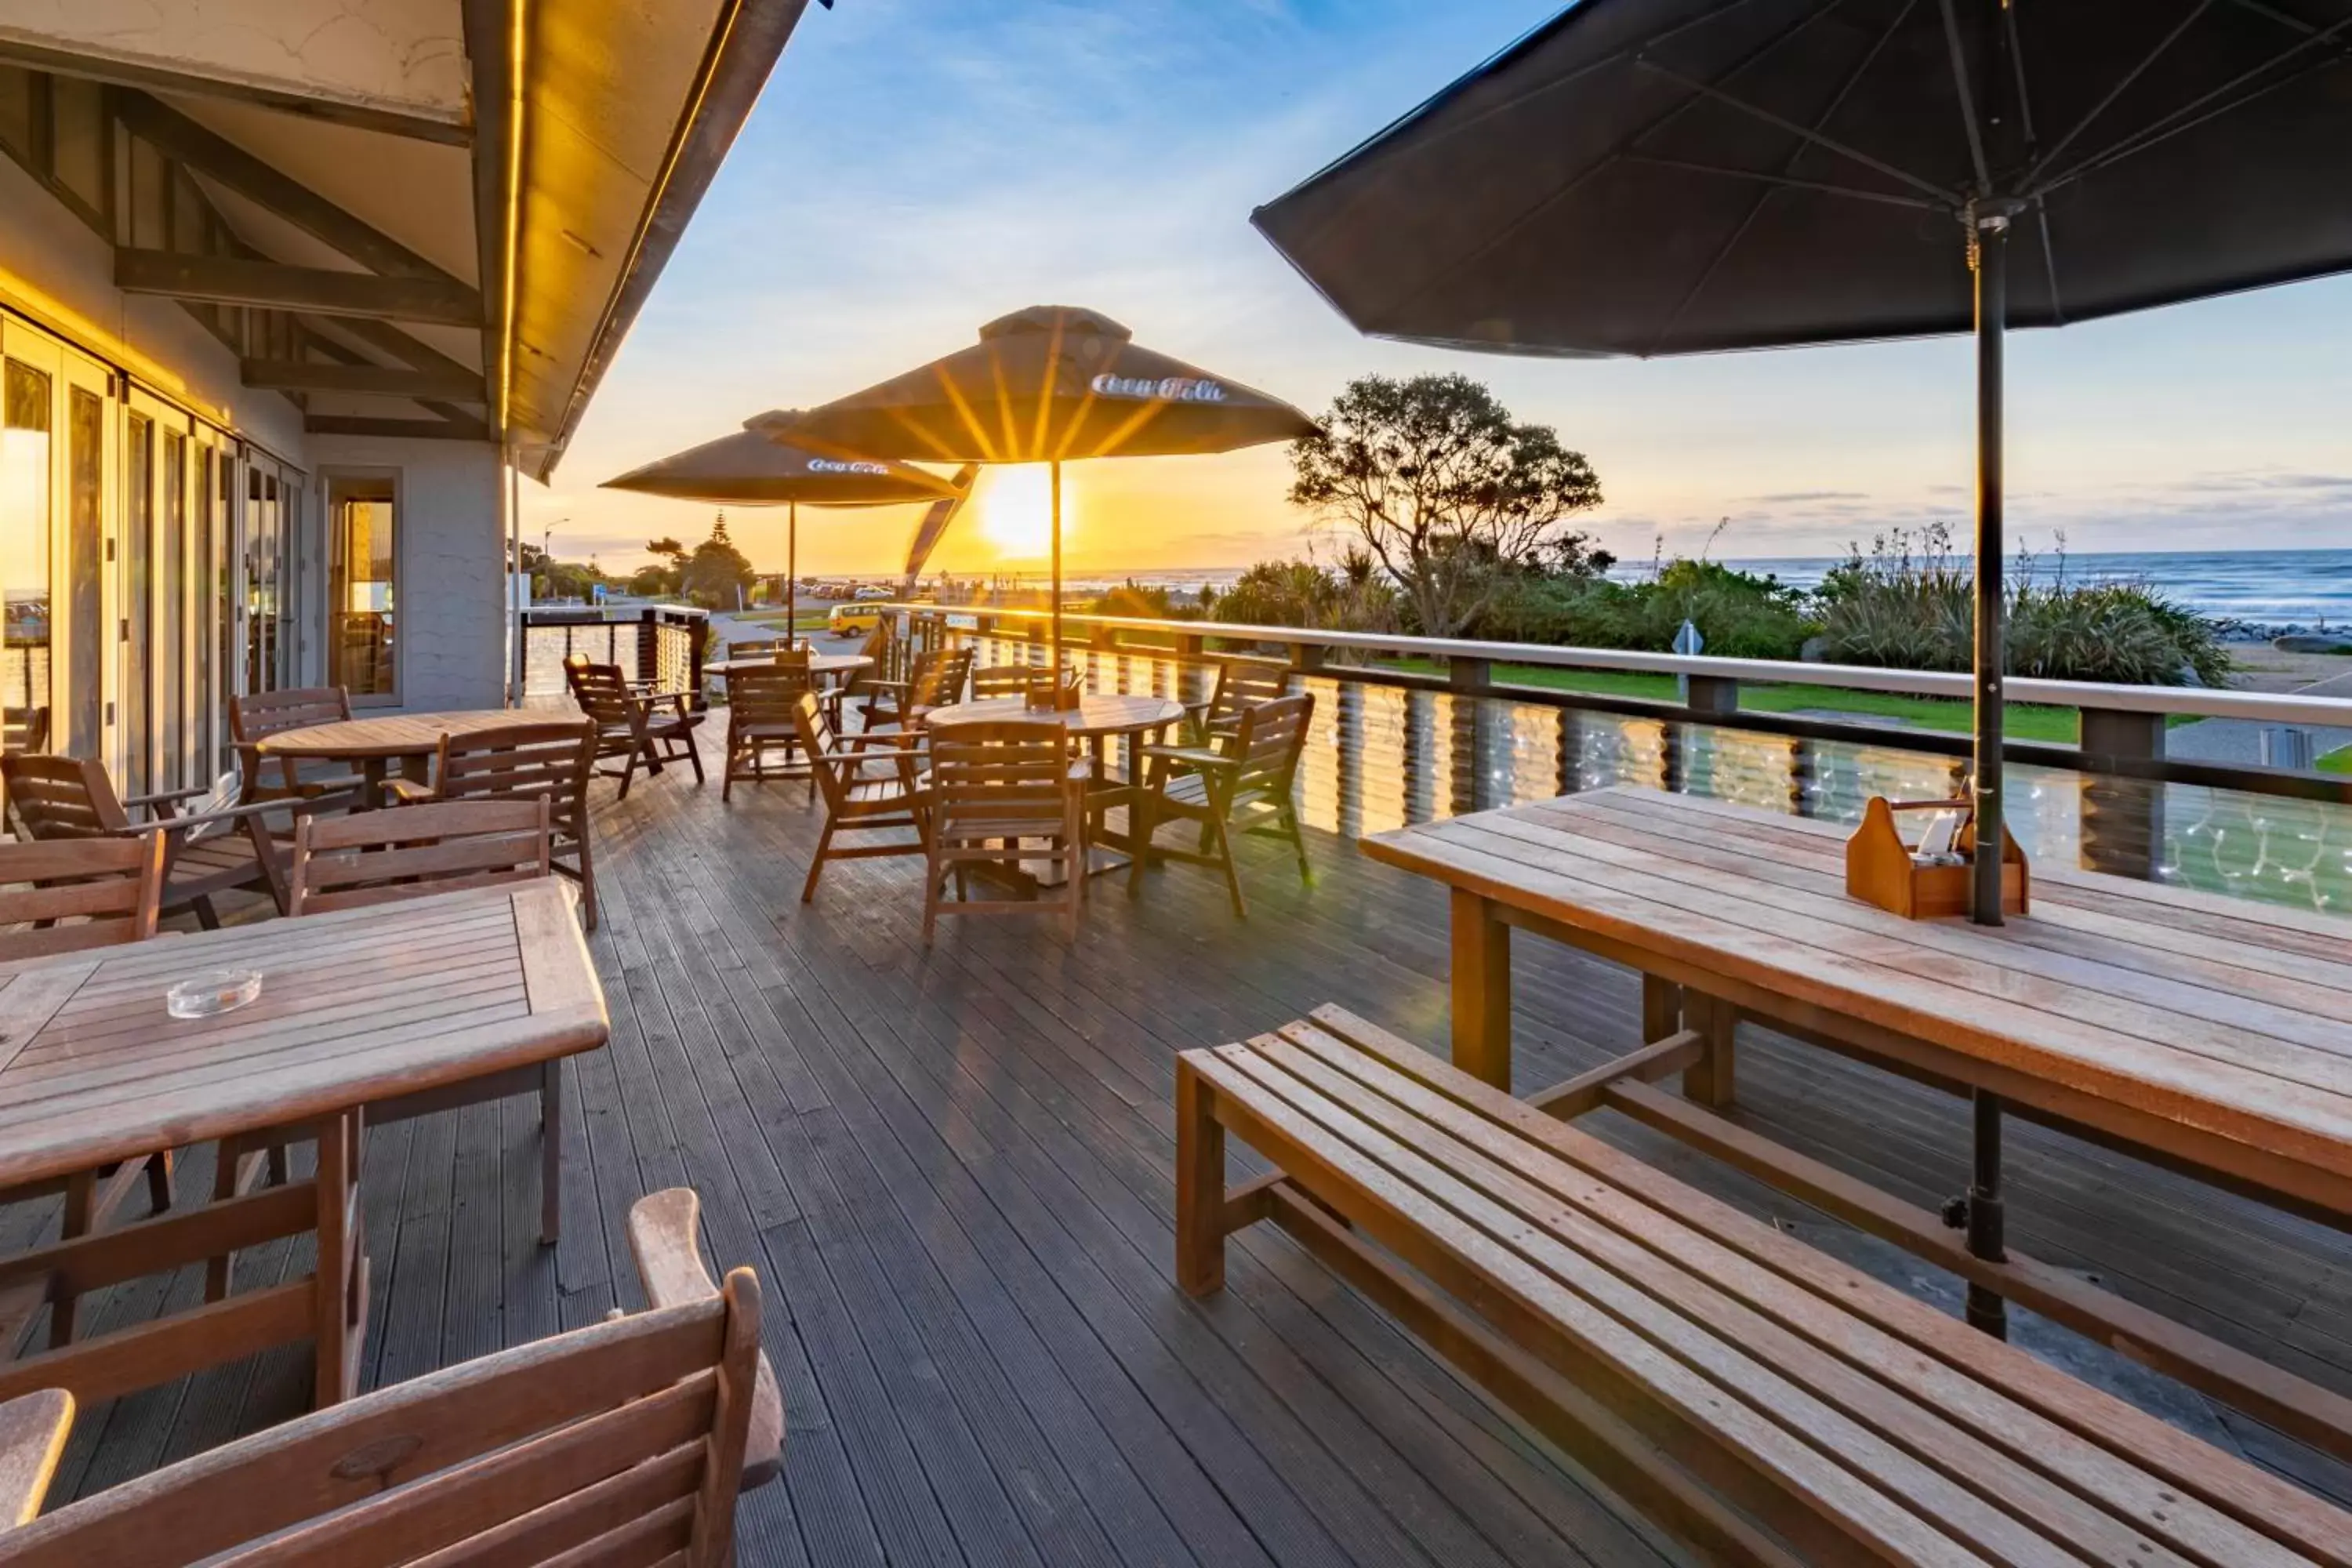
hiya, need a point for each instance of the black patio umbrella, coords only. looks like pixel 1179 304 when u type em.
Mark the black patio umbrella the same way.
pixel 752 468
pixel 1673 176
pixel 1047 384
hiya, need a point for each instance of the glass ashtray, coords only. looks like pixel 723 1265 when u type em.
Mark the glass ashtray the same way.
pixel 213 992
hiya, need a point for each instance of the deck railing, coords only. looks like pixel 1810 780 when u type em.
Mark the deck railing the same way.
pixel 1413 728
pixel 665 644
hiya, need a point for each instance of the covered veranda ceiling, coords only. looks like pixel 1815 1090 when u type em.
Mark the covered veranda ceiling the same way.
pixel 456 207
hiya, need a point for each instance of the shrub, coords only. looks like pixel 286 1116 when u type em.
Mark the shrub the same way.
pixel 1739 615
pixel 1302 593
pixel 1915 610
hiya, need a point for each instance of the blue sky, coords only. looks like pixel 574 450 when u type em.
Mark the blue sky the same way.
pixel 918 166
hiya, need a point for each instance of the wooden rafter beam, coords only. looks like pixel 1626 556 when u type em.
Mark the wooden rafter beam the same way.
pixel 121 73
pixel 386 339
pixel 457 384
pixel 225 280
pixel 462 429
pixel 222 161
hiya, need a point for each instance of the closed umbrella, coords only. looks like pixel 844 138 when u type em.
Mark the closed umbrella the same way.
pixel 1676 176
pixel 752 468
pixel 1047 384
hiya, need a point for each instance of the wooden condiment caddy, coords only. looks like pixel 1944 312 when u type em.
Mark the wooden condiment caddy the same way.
pixel 1880 870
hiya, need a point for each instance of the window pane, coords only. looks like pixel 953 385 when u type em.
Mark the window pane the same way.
pixel 24 458
pixel 172 618
pixel 138 607
pixel 360 654
pixel 85 659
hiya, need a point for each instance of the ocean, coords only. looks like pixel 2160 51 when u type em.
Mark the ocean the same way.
pixel 2276 590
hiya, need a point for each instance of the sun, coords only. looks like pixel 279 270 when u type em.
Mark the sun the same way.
pixel 1016 515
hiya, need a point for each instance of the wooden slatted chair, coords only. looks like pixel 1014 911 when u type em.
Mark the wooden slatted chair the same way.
pixel 415 851
pixel 1242 684
pixel 879 647
pixel 25 729
pixel 641 728
pixel 554 758
pixel 68 896
pixel 409 852
pixel 1003 794
pixel 759 703
pixel 993 680
pixel 937 680
pixel 754 647
pixel 1765 1401
pixel 871 783
pixel 205 855
pixel 1246 786
pixel 626 1441
pixel 254 719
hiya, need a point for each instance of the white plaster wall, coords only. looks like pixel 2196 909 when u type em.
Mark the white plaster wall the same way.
pixel 406 55
pixel 451 614
pixel 55 270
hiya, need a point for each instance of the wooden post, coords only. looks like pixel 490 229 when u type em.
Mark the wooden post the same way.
pixel 2123 817
pixel 1710 1081
pixel 1306 655
pixel 1199 1187
pixel 331 1304
pixel 1662 1008
pixel 1482 991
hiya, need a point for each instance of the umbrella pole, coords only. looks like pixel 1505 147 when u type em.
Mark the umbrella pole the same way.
pixel 792 575
pixel 1992 241
pixel 1056 590
pixel 1985 1207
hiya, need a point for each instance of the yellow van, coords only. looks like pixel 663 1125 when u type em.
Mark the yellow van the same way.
pixel 852 620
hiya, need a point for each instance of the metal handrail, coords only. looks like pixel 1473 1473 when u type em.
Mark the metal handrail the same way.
pixel 2198 701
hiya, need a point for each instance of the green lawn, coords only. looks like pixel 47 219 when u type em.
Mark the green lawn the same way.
pixel 2339 762
pixel 2026 721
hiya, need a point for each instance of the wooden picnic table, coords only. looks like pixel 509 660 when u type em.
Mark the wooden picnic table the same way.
pixel 2193 1029
pixel 358 1006
pixel 376 745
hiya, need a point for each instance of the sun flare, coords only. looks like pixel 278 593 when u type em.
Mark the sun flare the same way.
pixel 1016 511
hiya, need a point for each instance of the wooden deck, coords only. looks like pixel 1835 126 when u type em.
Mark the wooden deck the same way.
pixel 953 1171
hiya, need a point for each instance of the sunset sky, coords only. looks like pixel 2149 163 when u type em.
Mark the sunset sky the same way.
pixel 919 166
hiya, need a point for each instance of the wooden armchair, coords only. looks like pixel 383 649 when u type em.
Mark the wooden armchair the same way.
pixel 1242 684
pixel 1003 794
pixel 67 896
pixel 205 855
pixel 410 852
pixel 996 680
pixel 640 727
pixel 937 680
pixel 554 758
pixel 1243 785
pixel 879 647
pixel 871 783
pixel 253 718
pixel 625 1441
pixel 759 702
pixel 415 851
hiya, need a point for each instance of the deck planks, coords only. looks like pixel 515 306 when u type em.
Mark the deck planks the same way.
pixel 954 1169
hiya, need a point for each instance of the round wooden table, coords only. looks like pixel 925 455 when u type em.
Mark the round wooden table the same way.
pixel 821 665
pixel 1095 719
pixel 374 744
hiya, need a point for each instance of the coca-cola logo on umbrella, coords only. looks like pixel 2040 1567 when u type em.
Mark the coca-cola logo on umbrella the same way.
pixel 828 466
pixel 1169 388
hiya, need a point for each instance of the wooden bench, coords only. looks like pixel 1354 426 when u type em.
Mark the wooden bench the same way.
pixel 1757 1397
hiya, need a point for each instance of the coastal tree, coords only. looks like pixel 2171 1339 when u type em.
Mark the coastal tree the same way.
pixel 1451 495
pixel 717 572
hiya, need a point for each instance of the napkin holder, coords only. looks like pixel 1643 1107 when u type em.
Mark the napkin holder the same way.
pixel 1048 695
pixel 1881 869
